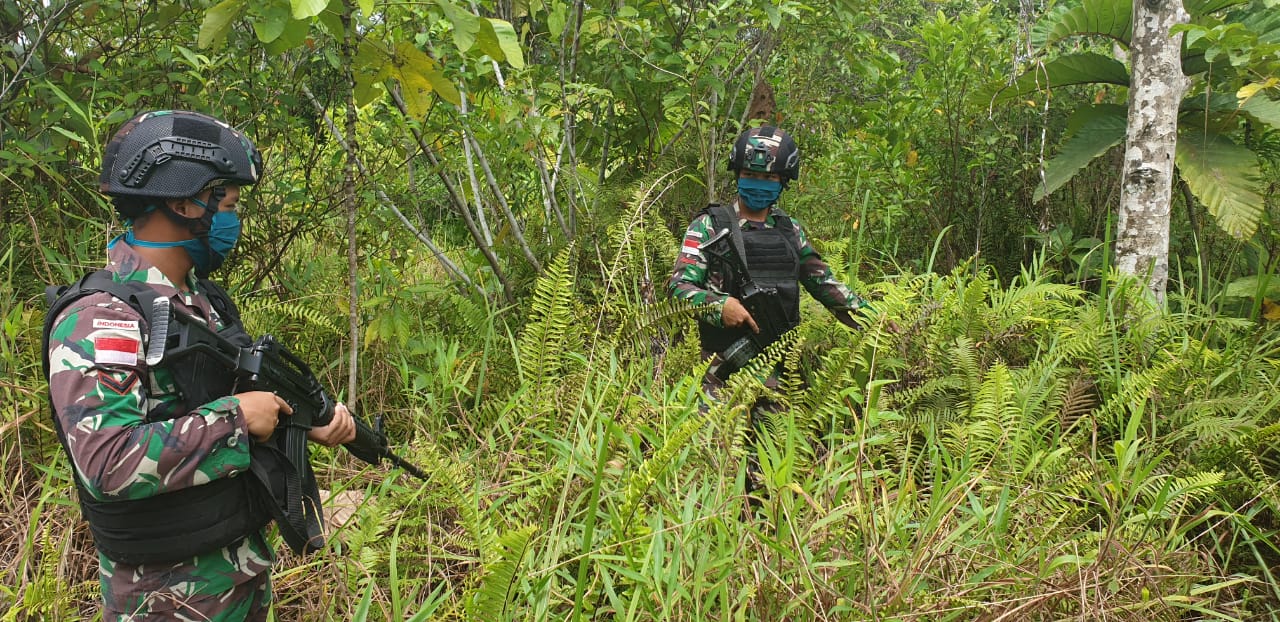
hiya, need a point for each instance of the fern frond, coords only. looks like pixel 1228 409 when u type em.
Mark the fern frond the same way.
pixel 644 320
pixel 1079 401
pixel 267 315
pixel 492 598
pixel 640 482
pixel 549 335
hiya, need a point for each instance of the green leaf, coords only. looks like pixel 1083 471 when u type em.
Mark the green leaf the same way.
pixel 487 41
pixel 217 22
pixel 443 87
pixel 1093 131
pixel 366 8
pixel 1083 68
pixel 1107 18
pixel 1258 108
pixel 294 35
pixel 331 21
pixel 465 25
pixel 306 9
pixel 1262 109
pixel 367 90
pixel 556 20
pixel 1224 176
pixel 1205 7
pixel 270 25
pixel 1250 286
pixel 509 41
pixel 775 16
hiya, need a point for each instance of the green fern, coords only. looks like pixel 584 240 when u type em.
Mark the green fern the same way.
pixel 549 334
pixel 492 599
pixel 266 315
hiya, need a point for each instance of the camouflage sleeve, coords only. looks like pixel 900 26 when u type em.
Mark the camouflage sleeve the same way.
pixel 97 386
pixel 692 279
pixel 818 280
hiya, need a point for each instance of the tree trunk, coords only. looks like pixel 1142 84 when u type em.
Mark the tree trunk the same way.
pixel 350 205
pixel 1142 236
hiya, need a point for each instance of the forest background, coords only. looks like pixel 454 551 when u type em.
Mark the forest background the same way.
pixel 469 215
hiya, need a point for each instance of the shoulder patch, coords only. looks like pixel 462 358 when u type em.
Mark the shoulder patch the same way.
pixel 120 324
pixel 115 350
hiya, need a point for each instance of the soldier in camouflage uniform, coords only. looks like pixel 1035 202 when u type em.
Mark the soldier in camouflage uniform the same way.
pixel 175 177
pixel 778 252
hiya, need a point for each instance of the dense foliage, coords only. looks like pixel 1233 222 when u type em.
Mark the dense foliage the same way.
pixel 483 201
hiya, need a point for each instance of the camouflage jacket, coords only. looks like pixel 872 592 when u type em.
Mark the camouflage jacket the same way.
pixel 102 389
pixel 697 280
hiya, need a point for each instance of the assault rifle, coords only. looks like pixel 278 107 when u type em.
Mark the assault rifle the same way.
pixel 281 465
pixel 267 365
pixel 763 303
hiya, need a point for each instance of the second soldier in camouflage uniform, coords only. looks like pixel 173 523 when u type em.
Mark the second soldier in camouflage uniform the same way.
pixel 765 160
pixel 778 257
pixel 145 460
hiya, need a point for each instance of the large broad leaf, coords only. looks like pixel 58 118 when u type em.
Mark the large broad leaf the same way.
pixel 1198 8
pixel 217 22
pixel 293 36
pixel 1083 68
pixel 466 26
pixel 410 67
pixel 304 9
pixel 1257 107
pixel 443 87
pixel 1266 24
pixel 1248 287
pixel 269 25
pixel 499 40
pixel 1106 18
pixel 1224 176
pixel 1093 130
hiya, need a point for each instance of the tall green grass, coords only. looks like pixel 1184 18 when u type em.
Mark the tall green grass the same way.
pixel 978 450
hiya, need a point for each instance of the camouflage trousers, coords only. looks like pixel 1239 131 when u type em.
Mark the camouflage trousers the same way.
pixel 250 601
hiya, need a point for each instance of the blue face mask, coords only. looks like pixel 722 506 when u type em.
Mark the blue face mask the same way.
pixel 758 194
pixel 206 252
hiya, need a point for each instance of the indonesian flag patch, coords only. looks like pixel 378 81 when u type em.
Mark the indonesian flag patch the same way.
pixel 115 351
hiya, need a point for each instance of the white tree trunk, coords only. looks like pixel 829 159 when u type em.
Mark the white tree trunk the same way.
pixel 1157 86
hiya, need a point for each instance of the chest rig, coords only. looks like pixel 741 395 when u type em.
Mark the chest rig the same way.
pixel 773 261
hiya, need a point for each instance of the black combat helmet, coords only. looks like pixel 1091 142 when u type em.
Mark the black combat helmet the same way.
pixel 174 154
pixel 766 150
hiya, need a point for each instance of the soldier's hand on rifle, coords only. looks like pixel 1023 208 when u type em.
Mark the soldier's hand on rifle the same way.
pixel 342 429
pixel 733 315
pixel 262 411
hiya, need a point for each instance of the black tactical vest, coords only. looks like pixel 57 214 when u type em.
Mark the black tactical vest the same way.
pixel 176 525
pixel 772 261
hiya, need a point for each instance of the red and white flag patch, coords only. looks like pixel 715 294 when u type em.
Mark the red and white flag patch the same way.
pixel 115 351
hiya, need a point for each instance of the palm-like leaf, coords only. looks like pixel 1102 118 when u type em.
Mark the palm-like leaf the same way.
pixel 1222 106
pixel 1106 18
pixel 1098 129
pixel 1066 70
pixel 1224 177
pixel 1112 19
